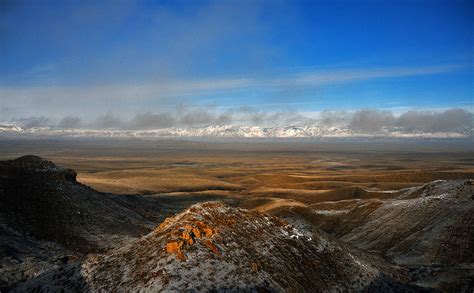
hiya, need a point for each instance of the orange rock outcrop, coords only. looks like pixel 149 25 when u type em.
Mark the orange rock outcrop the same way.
pixel 188 235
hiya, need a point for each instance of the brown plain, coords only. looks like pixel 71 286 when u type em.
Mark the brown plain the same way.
pixel 259 174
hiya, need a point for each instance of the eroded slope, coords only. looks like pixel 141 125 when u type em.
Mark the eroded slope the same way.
pixel 212 246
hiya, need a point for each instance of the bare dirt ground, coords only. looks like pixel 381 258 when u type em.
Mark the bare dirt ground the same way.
pixel 254 173
pixel 308 172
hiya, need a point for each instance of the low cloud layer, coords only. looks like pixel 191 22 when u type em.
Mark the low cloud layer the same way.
pixel 70 122
pixel 369 120
pixel 452 120
pixel 34 121
pixel 449 120
pixel 360 121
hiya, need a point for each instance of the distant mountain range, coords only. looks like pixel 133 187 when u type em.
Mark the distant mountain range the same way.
pixel 232 131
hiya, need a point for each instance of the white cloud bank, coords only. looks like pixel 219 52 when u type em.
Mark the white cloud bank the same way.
pixel 248 122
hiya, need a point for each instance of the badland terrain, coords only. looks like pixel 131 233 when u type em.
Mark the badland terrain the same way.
pixel 245 215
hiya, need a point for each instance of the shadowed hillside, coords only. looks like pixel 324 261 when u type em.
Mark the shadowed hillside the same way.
pixel 214 247
pixel 428 229
pixel 45 201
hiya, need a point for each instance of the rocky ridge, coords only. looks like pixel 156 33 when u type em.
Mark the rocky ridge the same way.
pixel 40 199
pixel 428 229
pixel 212 246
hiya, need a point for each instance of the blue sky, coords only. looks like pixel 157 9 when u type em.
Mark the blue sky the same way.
pixel 86 58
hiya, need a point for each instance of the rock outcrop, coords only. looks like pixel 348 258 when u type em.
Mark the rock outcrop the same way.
pixel 189 235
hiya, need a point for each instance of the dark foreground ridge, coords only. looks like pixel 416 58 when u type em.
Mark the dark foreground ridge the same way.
pixel 50 224
pixel 45 201
pixel 48 219
pixel 212 246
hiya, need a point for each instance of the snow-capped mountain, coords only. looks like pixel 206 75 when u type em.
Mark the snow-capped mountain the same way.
pixel 231 131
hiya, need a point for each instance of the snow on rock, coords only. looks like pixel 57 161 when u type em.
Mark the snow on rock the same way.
pixel 23 257
pixel 9 127
pixel 431 225
pixel 222 131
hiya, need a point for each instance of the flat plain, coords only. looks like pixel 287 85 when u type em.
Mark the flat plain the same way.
pixel 305 171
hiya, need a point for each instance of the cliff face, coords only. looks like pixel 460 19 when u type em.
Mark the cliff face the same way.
pixel 45 201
